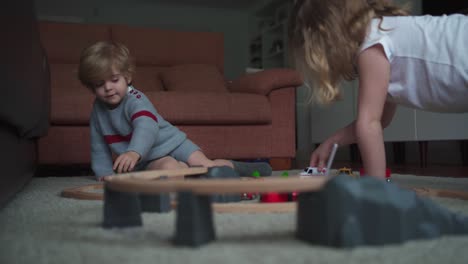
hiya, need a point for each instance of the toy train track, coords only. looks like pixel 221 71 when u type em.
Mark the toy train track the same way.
pixel 217 186
pixel 148 182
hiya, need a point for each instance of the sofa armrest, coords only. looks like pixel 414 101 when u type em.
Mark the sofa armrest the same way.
pixel 25 92
pixel 265 81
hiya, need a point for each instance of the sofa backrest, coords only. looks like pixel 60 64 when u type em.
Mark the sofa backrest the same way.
pixel 155 51
pixel 157 47
pixel 63 43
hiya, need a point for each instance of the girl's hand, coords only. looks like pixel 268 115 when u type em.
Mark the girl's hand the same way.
pixel 320 155
pixel 126 162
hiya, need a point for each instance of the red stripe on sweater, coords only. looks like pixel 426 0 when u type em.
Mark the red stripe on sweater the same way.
pixel 144 113
pixel 111 139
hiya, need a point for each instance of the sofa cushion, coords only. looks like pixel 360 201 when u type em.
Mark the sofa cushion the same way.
pixel 147 78
pixel 208 108
pixel 176 107
pixel 193 78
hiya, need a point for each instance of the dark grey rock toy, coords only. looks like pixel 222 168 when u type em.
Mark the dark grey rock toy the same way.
pixel 369 211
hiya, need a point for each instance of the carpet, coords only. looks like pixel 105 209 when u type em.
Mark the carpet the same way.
pixel 39 226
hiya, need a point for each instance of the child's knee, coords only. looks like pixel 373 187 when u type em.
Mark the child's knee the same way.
pixel 165 163
pixel 222 162
pixel 197 158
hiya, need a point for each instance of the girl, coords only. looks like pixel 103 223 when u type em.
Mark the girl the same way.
pixel 419 61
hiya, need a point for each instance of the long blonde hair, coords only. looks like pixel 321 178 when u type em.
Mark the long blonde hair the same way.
pixel 325 36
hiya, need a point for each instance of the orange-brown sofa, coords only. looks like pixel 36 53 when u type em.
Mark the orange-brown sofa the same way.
pixel 182 73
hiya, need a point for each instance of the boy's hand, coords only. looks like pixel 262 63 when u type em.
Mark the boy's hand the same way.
pixel 126 162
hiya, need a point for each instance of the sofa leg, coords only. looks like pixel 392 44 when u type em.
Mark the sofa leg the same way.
pixel 281 163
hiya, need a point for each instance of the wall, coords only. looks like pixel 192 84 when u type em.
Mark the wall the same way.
pixel 233 23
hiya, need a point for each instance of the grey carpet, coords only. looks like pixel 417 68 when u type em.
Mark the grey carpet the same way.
pixel 39 226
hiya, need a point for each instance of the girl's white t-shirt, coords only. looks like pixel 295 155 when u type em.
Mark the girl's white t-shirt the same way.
pixel 428 58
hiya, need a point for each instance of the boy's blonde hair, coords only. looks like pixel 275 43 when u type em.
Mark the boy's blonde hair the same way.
pixel 98 61
pixel 325 36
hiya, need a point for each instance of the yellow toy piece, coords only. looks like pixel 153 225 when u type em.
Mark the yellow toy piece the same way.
pixel 348 171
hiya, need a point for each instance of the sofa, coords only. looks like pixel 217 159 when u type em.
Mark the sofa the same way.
pixel 250 117
pixel 24 100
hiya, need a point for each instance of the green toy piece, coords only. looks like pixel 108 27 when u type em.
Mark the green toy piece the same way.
pixel 285 174
pixel 256 174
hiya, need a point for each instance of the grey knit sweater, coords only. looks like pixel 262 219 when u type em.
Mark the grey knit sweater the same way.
pixel 134 125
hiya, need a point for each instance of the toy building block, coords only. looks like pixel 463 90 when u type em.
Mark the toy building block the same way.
pixel 274 197
pixel 121 209
pixel 348 171
pixel 156 203
pixel 256 174
pixel 252 196
pixel 249 196
pixel 293 196
pixel 348 213
pixel 194 223
pixel 223 172
pixel 313 171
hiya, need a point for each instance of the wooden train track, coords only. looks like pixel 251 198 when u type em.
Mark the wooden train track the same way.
pixel 218 186
pixel 146 182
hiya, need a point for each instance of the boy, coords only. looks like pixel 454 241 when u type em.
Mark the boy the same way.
pixel 124 122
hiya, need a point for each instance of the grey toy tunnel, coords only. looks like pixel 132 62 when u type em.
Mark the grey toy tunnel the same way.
pixel 194 223
pixel 156 203
pixel 121 209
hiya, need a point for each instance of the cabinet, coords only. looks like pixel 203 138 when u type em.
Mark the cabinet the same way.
pixel 325 120
pixel 268 34
pixel 407 124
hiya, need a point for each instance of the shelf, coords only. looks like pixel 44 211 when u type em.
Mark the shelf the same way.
pixel 270 22
pixel 276 27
